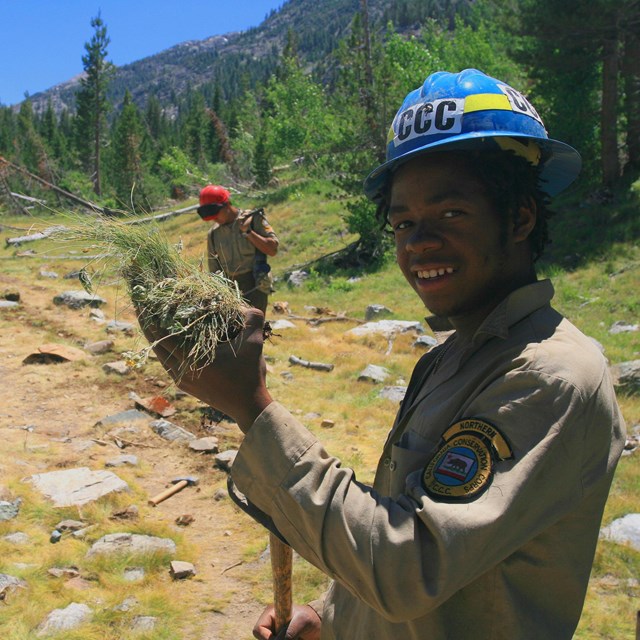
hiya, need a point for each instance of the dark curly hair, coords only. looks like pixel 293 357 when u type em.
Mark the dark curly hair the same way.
pixel 511 182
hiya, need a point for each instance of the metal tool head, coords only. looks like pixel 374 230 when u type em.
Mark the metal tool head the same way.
pixel 190 480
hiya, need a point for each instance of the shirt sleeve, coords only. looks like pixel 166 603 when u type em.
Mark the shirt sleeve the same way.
pixel 213 263
pixel 261 225
pixel 562 446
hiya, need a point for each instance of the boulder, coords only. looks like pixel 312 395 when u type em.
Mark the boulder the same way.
pixel 297 278
pixel 170 431
pixel 78 299
pixel 75 487
pixel 131 543
pixel 54 353
pixel 225 459
pixel 373 373
pixel 119 367
pixel 9 510
pixel 626 376
pixel 124 419
pixel 386 328
pixel 142 624
pixel 116 326
pixel 281 324
pixel 180 570
pixel 425 341
pixel 100 347
pixel 622 327
pixel 9 583
pixel 204 445
pixel 123 460
pixel 65 619
pixel 17 538
pixel 393 393
pixel 374 311
pixel 625 530
pixel 133 574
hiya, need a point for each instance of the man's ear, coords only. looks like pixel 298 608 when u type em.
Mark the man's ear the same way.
pixel 526 221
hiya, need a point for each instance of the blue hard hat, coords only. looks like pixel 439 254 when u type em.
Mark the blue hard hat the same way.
pixel 472 111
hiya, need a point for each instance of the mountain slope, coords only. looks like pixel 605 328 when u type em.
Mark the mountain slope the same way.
pixel 249 56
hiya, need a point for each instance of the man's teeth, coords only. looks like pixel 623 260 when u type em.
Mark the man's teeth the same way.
pixel 434 273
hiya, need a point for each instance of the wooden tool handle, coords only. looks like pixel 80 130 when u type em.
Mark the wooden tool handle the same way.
pixel 167 493
pixel 281 566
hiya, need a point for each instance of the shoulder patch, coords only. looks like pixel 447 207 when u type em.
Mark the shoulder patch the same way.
pixel 463 466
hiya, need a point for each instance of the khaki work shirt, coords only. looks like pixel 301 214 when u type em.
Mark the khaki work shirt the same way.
pixel 511 563
pixel 229 252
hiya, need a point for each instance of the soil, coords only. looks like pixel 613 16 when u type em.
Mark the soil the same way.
pixel 48 416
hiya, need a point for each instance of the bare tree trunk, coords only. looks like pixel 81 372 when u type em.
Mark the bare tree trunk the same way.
pixel 631 73
pixel 96 143
pixel 608 121
pixel 367 91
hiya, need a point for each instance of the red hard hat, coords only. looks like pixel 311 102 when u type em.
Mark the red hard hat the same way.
pixel 214 194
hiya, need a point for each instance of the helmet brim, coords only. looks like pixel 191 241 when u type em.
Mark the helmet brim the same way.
pixel 559 167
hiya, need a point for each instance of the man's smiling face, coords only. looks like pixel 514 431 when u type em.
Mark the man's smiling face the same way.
pixel 451 244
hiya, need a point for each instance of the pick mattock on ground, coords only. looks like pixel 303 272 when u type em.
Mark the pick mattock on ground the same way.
pixel 178 485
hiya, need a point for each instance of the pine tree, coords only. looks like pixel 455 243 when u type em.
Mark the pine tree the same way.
pixel 50 131
pixel 125 158
pixel 575 62
pixel 262 161
pixel 7 131
pixel 92 104
pixel 196 126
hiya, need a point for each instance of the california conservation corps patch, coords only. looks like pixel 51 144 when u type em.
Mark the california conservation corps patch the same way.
pixel 463 466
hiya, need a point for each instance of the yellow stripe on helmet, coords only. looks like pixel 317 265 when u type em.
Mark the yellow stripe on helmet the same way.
pixel 486 101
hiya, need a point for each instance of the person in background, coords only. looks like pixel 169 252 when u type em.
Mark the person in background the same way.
pixel 484 513
pixel 238 244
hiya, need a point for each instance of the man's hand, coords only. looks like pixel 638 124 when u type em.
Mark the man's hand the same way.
pixel 245 223
pixel 234 383
pixel 305 625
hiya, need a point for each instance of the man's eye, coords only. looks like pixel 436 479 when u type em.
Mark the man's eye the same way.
pixel 399 226
pixel 454 213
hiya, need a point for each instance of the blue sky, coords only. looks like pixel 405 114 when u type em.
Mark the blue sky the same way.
pixel 42 41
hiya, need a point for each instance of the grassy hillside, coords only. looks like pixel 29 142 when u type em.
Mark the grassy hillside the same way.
pixel 594 266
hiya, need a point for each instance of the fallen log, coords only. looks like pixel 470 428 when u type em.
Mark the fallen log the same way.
pixel 27 198
pixel 319 366
pixel 41 235
pixel 70 196
pixel 317 321
pixel 163 216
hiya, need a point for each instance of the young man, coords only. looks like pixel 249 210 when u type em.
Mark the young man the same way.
pixel 238 244
pixel 484 514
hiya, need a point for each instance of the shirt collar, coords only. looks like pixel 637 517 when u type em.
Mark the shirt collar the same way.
pixel 516 306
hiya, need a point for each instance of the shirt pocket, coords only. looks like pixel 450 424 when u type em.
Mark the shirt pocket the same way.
pixel 404 461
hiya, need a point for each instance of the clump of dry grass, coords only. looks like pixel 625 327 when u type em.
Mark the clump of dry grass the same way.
pixel 198 308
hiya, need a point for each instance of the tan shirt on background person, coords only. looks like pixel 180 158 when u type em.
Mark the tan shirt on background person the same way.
pixel 229 251
pixel 410 564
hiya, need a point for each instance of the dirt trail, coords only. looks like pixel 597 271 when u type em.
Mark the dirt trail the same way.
pixel 54 408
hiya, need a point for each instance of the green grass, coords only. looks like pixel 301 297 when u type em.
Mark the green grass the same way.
pixel 594 263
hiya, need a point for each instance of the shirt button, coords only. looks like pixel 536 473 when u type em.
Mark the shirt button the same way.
pixel 392 465
pixel 386 462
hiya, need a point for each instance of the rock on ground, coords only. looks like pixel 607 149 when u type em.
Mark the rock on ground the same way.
pixel 78 299
pixel 71 487
pixel 65 619
pixel 373 373
pixel 386 328
pixel 9 510
pixel 131 543
pixel 394 393
pixel 625 530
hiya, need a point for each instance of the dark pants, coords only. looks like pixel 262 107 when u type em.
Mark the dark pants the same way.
pixel 255 298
